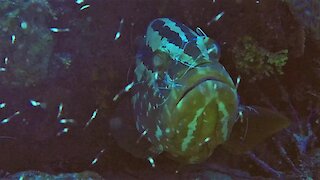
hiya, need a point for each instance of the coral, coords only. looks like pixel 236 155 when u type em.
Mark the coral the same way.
pixel 296 149
pixel 255 62
pixel 293 153
pixel 42 175
pixel 26 42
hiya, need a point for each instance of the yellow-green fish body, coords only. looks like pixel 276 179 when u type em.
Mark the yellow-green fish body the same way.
pixel 184 100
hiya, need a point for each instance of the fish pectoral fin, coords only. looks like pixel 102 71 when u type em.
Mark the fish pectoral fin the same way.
pixel 256 126
pixel 123 130
pixel 126 138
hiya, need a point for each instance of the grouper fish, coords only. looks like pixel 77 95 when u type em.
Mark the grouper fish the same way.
pixel 184 101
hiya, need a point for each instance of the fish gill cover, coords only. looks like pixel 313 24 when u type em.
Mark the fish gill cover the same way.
pixel 63 62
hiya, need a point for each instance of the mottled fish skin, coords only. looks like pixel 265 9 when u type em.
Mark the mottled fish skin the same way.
pixel 184 100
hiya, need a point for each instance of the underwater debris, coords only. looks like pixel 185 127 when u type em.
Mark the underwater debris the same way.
pixel 255 62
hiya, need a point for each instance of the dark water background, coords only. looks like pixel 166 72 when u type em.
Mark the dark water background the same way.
pixel 85 67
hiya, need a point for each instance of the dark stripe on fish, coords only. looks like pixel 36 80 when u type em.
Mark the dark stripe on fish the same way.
pixel 192 50
pixel 189 34
pixel 174 37
pixel 145 54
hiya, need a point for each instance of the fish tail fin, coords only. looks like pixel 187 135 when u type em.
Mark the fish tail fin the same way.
pixel 255 126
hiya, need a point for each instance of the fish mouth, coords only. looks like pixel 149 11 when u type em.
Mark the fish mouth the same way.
pixel 208 78
pixel 195 85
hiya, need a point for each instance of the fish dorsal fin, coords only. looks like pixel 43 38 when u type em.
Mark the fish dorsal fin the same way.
pixel 257 125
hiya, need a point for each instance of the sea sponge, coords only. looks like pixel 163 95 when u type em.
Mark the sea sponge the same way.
pixel 26 42
pixel 257 62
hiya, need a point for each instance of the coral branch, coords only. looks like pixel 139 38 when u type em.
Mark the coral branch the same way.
pixel 265 166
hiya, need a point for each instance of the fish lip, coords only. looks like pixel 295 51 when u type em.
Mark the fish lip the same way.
pixel 197 84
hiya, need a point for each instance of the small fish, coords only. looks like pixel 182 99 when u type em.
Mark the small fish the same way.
pixel 95 160
pixel 63 131
pixel 126 89
pixel 79 1
pixel 151 160
pixel 36 103
pixel 216 18
pixel 60 108
pixel 6 59
pixel 57 30
pixel 6 120
pixel 84 7
pixel 3 105
pixel 93 116
pixel 13 39
pixel 118 34
pixel 67 121
pixel 24 25
pixel 184 101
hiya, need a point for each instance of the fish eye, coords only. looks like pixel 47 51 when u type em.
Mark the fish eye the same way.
pixel 213 49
